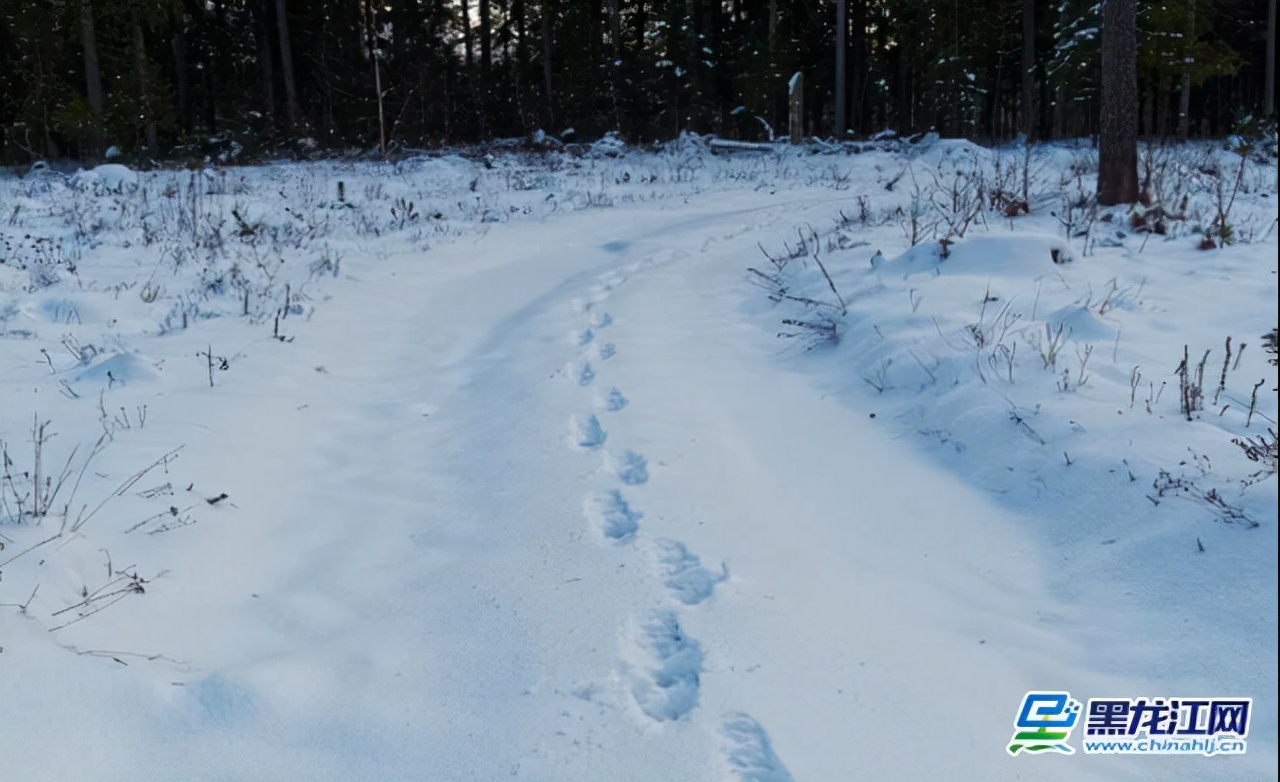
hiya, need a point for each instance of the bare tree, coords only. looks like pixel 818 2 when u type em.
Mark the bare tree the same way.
pixel 1118 144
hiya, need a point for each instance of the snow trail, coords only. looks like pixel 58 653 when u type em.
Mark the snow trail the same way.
pixel 413 593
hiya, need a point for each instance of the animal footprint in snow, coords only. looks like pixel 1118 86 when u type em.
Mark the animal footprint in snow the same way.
pixel 607 351
pixel 585 374
pixel 585 337
pixel 684 575
pixel 613 401
pixel 630 467
pixel 666 685
pixel 603 320
pixel 587 432
pixel 749 751
pixel 611 512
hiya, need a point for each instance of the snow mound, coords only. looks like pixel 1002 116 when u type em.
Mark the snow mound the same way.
pixel 1020 255
pixel 1080 322
pixel 934 150
pixel 107 178
pixel 121 368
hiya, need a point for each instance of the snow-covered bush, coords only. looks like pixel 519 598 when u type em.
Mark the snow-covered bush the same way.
pixel 610 145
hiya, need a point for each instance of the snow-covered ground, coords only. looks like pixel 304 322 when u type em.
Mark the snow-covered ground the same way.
pixel 660 465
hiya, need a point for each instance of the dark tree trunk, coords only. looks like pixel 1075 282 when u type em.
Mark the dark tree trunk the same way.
pixel 1269 96
pixel 861 77
pixel 1162 108
pixel 371 26
pixel 486 42
pixel 547 26
pixel 92 73
pixel 182 79
pixel 467 47
pixel 266 67
pixel 773 36
pixel 615 26
pixel 842 74
pixel 1027 120
pixel 1184 108
pixel 328 128
pixel 286 66
pixel 1149 114
pixel 210 24
pixel 144 92
pixel 1118 143
pixel 904 96
pixel 641 19
pixel 1184 96
pixel 521 57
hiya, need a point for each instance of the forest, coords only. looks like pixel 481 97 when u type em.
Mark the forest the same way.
pixel 160 79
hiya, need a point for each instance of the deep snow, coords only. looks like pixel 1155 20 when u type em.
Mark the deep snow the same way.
pixel 520 481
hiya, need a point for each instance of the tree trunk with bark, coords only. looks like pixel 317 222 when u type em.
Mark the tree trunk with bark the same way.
pixel 861 77
pixel 842 75
pixel 904 96
pixel 92 72
pixel 615 26
pixel 773 35
pixel 547 26
pixel 1184 99
pixel 286 67
pixel 182 80
pixel 1118 143
pixel 467 47
pixel 266 66
pixel 1269 96
pixel 1028 113
pixel 486 43
pixel 144 91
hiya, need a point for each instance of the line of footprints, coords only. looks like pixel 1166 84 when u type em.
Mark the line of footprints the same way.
pixel 664 676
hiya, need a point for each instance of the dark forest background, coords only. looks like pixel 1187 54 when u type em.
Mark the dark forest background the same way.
pixel 173 78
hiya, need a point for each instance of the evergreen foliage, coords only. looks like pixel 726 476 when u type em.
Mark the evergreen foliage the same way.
pixel 192 78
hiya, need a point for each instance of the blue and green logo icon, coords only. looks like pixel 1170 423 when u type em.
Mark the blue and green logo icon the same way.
pixel 1044 723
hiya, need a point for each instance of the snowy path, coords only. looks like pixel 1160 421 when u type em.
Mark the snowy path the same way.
pixel 546 622
pixel 546 503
